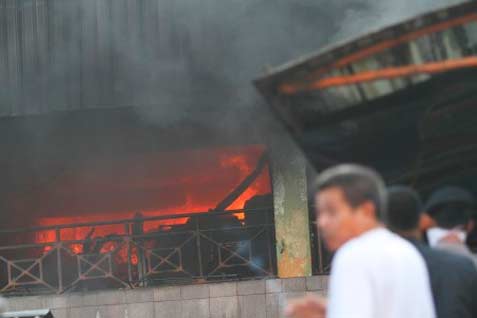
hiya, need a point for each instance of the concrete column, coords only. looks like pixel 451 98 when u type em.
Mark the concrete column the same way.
pixel 292 230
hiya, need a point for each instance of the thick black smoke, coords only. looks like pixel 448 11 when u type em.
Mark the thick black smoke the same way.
pixel 182 58
pixel 176 60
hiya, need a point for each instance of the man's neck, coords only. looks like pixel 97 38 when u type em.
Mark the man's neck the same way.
pixel 437 236
pixel 411 234
pixel 368 227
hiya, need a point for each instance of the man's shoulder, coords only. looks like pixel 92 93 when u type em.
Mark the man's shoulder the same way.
pixel 376 243
pixel 459 250
pixel 445 258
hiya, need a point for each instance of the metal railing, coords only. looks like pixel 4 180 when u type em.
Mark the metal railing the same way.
pixel 320 256
pixel 206 246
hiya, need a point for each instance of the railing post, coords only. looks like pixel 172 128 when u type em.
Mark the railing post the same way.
pixel 320 252
pixel 138 229
pixel 199 249
pixel 58 260
pixel 128 240
pixel 270 247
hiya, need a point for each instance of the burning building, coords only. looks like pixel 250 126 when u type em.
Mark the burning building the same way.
pixel 128 163
pixel 91 187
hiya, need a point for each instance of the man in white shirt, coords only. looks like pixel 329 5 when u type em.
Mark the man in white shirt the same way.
pixel 375 273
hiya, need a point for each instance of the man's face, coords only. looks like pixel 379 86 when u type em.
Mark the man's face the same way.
pixel 337 220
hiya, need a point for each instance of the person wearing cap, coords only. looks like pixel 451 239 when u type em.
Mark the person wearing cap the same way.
pixel 451 209
pixel 453 294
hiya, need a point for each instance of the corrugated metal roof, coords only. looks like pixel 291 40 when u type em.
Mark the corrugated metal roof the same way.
pixel 378 64
pixel 400 100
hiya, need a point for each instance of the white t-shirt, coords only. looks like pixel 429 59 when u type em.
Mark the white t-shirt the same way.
pixel 379 275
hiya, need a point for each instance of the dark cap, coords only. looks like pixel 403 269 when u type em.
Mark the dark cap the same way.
pixel 449 194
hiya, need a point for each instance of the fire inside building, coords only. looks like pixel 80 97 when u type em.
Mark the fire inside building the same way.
pixel 109 182
pixel 124 164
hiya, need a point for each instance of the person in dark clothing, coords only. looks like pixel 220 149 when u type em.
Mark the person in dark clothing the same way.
pixel 453 277
pixel 451 208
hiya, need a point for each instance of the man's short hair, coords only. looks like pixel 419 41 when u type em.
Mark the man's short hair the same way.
pixel 404 208
pixel 450 206
pixel 451 215
pixel 359 185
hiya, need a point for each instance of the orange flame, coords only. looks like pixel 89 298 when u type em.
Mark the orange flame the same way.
pixel 224 170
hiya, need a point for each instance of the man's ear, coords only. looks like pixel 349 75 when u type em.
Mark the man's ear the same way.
pixel 470 226
pixel 369 209
pixel 426 222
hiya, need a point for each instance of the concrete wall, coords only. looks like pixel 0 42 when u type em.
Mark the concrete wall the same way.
pixel 290 200
pixel 254 299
